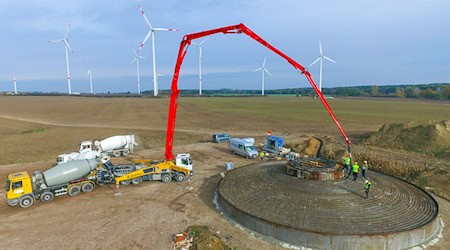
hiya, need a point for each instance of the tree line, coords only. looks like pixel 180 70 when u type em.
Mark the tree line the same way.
pixel 435 91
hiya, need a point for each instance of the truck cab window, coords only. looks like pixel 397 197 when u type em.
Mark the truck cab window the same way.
pixel 17 185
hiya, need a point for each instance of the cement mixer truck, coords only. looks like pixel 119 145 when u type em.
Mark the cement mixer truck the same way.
pixel 115 145
pixel 68 178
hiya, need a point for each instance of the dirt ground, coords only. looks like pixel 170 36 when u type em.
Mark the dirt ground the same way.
pixel 146 216
pixel 143 216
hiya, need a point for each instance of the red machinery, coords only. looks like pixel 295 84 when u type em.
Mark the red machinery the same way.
pixel 234 29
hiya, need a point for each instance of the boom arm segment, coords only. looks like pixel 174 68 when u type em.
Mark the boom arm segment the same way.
pixel 234 29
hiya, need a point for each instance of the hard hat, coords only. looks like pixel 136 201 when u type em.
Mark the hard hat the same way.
pixel 356 163
pixel 366 181
pixel 365 161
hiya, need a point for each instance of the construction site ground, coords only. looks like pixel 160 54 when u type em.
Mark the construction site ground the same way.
pixel 143 216
pixel 34 130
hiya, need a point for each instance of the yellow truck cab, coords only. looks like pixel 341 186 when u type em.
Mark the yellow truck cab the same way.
pixel 19 189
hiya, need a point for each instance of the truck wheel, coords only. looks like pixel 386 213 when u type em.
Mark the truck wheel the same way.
pixel 74 191
pixel 166 178
pixel 87 187
pixel 47 196
pixel 180 177
pixel 26 201
pixel 125 152
pixel 136 181
pixel 124 183
pixel 116 153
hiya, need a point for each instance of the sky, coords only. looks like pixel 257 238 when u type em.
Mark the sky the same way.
pixel 373 43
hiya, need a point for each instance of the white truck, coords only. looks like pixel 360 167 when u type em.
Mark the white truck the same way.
pixel 116 145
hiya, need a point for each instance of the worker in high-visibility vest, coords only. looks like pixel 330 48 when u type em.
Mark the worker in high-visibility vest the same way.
pixel 347 164
pixel 367 186
pixel 261 155
pixel 364 168
pixel 355 170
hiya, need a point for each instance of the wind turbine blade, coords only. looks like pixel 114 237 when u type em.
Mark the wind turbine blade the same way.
pixel 267 72
pixel 264 62
pixel 135 53
pixel 56 41
pixel 68 46
pixel 134 60
pixel 141 57
pixel 257 69
pixel 164 29
pixel 67 31
pixel 203 41
pixel 329 59
pixel 145 40
pixel 320 48
pixel 145 18
pixel 315 61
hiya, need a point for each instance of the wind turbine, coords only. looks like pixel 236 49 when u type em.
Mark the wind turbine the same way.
pixel 15 86
pixel 200 60
pixel 136 59
pixel 67 46
pixel 321 57
pixel 263 69
pixel 151 32
pixel 90 80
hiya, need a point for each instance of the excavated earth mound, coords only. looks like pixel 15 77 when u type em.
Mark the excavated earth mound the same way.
pixel 426 137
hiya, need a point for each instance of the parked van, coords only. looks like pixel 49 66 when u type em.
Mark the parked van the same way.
pixel 219 137
pixel 243 147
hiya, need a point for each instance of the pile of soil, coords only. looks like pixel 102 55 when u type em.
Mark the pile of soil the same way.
pixel 309 146
pixel 204 238
pixel 424 137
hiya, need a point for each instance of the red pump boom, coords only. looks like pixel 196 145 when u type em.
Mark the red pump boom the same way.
pixel 234 29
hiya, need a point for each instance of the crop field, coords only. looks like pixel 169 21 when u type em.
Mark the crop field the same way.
pixel 34 130
pixel 39 128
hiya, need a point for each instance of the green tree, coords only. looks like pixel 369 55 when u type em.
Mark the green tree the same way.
pixel 399 92
pixel 445 92
pixel 411 92
pixel 430 94
pixel 374 90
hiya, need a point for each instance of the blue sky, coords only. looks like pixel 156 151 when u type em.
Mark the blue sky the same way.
pixel 373 42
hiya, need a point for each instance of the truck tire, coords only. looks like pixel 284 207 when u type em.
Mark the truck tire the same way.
pixel 116 153
pixel 125 152
pixel 136 181
pixel 166 178
pixel 47 196
pixel 87 187
pixel 26 201
pixel 180 177
pixel 124 183
pixel 74 191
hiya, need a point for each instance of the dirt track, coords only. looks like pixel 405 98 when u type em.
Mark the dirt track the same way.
pixel 144 216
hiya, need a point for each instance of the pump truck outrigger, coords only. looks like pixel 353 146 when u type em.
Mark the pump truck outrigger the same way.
pixel 166 170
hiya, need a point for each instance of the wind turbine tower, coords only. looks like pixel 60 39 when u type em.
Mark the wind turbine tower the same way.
pixel 151 33
pixel 67 46
pixel 263 69
pixel 136 59
pixel 89 72
pixel 200 60
pixel 321 57
pixel 15 86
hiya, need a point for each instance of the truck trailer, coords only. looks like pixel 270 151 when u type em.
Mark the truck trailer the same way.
pixel 115 145
pixel 67 178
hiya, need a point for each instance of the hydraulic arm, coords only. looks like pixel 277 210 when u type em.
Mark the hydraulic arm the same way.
pixel 234 29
